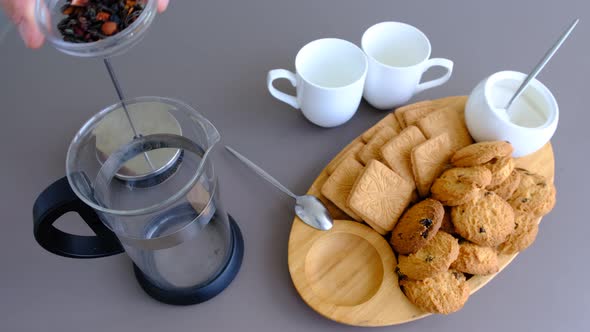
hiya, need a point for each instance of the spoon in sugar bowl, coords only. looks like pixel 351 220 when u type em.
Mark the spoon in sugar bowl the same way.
pixel 540 65
pixel 307 207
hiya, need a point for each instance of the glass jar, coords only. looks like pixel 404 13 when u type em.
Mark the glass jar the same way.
pixel 48 13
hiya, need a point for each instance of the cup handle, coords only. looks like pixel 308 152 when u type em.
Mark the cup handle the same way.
pixel 57 200
pixel 448 64
pixel 282 73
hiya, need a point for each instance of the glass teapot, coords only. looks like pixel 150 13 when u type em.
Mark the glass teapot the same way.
pixel 153 195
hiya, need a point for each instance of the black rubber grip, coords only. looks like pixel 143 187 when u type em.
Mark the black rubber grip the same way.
pixel 57 200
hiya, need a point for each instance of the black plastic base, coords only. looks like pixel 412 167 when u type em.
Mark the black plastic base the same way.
pixel 195 295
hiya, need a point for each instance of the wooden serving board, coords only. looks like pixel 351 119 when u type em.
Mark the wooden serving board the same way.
pixel 347 273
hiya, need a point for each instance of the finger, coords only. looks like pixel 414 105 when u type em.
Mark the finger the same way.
pixel 27 27
pixel 12 9
pixel 162 5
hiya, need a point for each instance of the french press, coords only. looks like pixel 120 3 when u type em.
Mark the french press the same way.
pixel 139 173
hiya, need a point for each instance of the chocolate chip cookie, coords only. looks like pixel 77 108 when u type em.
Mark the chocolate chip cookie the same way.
pixel 525 233
pixel 474 259
pixel 435 257
pixel 507 188
pixel 534 195
pixel 480 153
pixel 443 293
pixel 486 221
pixel 500 168
pixel 460 185
pixel 417 226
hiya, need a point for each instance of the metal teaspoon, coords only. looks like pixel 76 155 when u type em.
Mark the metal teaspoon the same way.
pixel 307 207
pixel 542 63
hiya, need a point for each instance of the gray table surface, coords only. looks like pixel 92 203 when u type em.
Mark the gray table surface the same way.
pixel 215 55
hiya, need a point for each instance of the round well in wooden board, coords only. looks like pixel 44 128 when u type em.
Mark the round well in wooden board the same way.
pixel 347 274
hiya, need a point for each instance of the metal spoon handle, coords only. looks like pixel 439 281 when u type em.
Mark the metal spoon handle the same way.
pixel 542 63
pixel 261 172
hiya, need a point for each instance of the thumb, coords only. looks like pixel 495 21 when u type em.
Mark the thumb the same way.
pixel 27 27
pixel 162 5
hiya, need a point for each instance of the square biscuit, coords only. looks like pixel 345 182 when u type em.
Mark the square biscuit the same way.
pixel 315 190
pixel 412 116
pixel 338 186
pixel 372 149
pixel 447 120
pixel 456 102
pixel 335 212
pixel 419 110
pixel 388 121
pixel 380 196
pixel 399 112
pixel 429 160
pixel 350 150
pixel 396 153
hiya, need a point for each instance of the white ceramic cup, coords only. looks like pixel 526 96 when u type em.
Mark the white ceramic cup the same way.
pixel 533 119
pixel 398 55
pixel 329 79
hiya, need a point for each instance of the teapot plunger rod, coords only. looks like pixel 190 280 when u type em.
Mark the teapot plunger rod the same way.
pixel 115 81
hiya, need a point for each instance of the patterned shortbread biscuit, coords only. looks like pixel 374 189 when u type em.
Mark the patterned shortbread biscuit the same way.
pixel 414 115
pixel 435 257
pixel 399 112
pixel 534 194
pixel 486 221
pixel 335 212
pixel 474 259
pixel 388 121
pixel 350 150
pixel 500 168
pixel 429 160
pixel 460 185
pixel 480 153
pixel 456 102
pixel 507 188
pixel 396 153
pixel 372 149
pixel 524 234
pixel 379 196
pixel 447 120
pixel 444 293
pixel 417 226
pixel 339 184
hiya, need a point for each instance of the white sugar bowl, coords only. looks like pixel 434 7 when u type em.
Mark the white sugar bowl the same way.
pixel 530 122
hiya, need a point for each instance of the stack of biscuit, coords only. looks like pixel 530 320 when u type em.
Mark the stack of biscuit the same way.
pixel 447 205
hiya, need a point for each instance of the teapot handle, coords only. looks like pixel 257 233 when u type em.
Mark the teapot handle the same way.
pixel 57 200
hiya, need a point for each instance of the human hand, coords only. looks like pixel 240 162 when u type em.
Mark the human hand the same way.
pixel 22 14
